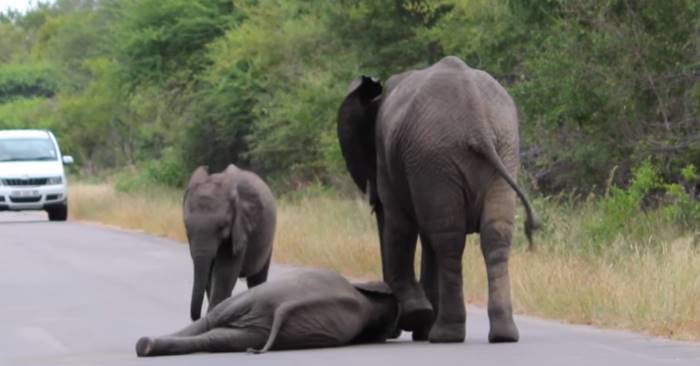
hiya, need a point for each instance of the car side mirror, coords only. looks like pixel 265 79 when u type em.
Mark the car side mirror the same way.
pixel 67 159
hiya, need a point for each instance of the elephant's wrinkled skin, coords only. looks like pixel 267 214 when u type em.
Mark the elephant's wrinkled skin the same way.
pixel 306 308
pixel 437 149
pixel 230 220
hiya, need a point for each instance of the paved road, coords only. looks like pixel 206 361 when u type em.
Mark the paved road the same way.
pixel 76 294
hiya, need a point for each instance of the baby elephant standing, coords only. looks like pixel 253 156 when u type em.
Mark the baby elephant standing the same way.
pixel 307 308
pixel 230 220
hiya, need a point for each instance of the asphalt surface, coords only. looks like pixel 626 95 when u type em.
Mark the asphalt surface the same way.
pixel 80 294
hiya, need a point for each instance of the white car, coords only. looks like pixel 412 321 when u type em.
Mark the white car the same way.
pixel 31 173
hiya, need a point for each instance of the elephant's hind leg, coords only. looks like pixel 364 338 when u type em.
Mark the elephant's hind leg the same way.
pixel 429 281
pixel 449 325
pixel 399 248
pixel 215 340
pixel 496 234
pixel 440 209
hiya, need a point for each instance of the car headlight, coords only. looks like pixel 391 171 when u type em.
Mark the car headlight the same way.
pixel 55 180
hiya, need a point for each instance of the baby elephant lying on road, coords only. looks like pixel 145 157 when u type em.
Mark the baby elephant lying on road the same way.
pixel 307 308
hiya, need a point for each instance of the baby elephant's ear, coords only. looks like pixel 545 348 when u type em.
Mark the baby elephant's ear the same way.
pixel 248 211
pixel 376 287
pixel 199 176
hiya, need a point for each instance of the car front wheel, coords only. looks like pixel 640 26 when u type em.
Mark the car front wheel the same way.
pixel 58 213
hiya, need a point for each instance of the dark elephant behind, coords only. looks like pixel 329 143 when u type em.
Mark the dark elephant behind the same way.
pixel 230 218
pixel 302 309
pixel 437 149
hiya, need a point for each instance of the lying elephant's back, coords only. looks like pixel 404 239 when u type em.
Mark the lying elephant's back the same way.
pixel 294 283
pixel 311 328
pixel 309 325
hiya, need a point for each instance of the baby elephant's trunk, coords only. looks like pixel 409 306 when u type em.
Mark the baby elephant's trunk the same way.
pixel 202 272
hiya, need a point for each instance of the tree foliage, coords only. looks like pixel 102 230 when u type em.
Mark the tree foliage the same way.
pixel 161 42
pixel 27 81
pixel 599 84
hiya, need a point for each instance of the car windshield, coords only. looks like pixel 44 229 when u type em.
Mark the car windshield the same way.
pixel 27 149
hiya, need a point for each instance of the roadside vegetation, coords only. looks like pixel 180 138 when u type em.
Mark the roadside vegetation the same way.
pixel 143 91
pixel 166 86
pixel 602 260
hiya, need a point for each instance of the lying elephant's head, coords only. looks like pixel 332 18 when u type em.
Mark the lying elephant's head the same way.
pixel 216 219
pixel 384 315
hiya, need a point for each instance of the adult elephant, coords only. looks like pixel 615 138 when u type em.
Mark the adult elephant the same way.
pixel 437 149
pixel 230 219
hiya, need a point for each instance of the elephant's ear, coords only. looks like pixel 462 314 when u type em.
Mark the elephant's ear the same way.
pixel 356 121
pixel 388 327
pixel 199 176
pixel 247 209
pixel 373 288
pixel 232 169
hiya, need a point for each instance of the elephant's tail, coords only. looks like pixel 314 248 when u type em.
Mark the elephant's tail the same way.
pixel 531 222
pixel 277 320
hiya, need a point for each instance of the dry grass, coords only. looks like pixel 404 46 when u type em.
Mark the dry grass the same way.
pixel 651 286
pixel 157 211
pixel 652 291
pixel 328 232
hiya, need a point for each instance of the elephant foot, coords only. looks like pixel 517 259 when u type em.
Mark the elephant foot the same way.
pixel 144 347
pixel 447 333
pixel 421 335
pixel 416 314
pixel 503 330
pixel 395 334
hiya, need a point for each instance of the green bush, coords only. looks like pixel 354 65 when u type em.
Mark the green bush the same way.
pixel 27 81
pixel 622 211
pixel 129 180
pixel 684 208
pixel 167 171
pixel 621 208
pixel 27 113
pixel 258 83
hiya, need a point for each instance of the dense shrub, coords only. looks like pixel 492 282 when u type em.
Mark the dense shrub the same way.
pixel 620 206
pixel 634 211
pixel 167 171
pixel 684 208
pixel 27 81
